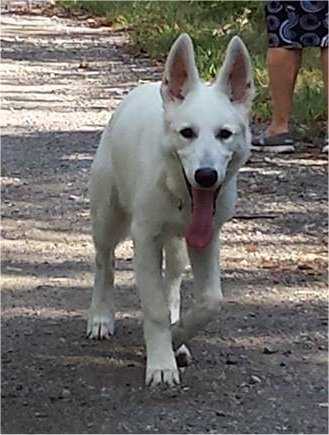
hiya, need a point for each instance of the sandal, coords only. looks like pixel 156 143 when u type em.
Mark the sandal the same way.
pixel 278 143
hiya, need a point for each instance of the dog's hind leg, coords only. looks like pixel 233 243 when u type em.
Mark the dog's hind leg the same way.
pixel 101 313
pixel 176 261
pixel 109 228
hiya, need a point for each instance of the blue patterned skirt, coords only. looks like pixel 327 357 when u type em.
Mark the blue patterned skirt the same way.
pixel 297 24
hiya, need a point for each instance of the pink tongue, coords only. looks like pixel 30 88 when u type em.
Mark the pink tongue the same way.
pixel 200 231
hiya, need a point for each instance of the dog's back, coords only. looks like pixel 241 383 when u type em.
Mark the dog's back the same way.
pixel 129 150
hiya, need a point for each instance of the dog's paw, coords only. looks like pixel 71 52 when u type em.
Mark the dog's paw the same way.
pixel 183 356
pixel 156 377
pixel 100 324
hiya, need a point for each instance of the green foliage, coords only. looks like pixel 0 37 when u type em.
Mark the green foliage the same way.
pixel 156 24
pixel 310 100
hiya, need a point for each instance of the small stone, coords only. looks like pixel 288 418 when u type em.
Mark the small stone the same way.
pixel 40 414
pixel 74 198
pixel 48 332
pixel 220 413
pixel 83 64
pixel 255 379
pixel 66 392
pixel 231 360
pixel 288 379
pixel 105 392
pixel 268 350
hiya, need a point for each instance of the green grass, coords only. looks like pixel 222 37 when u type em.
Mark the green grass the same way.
pixel 154 25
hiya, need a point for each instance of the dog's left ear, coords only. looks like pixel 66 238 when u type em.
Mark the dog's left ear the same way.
pixel 180 74
pixel 235 77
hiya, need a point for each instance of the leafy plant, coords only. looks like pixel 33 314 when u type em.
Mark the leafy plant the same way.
pixel 155 25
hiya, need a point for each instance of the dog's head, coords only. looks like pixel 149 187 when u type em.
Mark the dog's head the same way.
pixel 207 125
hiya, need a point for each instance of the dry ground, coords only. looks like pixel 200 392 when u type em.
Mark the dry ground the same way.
pixel 261 367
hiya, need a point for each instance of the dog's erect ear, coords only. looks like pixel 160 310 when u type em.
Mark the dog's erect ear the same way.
pixel 235 77
pixel 180 74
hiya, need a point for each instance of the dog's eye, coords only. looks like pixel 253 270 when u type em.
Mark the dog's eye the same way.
pixel 188 133
pixel 224 134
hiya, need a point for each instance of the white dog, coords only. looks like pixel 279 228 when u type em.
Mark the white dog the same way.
pixel 165 171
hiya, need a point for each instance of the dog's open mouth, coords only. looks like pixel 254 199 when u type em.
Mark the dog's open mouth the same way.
pixel 199 233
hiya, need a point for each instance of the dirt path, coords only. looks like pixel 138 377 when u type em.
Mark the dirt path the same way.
pixel 260 368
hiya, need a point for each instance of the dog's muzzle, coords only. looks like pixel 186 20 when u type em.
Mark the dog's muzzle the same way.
pixel 189 188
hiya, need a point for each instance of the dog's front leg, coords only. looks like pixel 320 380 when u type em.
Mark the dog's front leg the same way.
pixel 161 365
pixel 207 291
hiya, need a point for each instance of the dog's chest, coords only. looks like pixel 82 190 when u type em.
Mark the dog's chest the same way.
pixel 177 217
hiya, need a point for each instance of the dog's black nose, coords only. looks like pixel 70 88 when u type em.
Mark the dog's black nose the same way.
pixel 206 177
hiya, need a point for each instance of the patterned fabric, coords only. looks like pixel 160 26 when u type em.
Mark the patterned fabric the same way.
pixel 297 24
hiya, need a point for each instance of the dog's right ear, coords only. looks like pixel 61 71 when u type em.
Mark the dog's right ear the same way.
pixel 180 74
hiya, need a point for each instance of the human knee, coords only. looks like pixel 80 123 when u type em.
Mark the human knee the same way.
pixel 281 57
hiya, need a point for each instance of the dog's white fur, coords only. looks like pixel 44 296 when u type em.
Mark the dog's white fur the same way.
pixel 137 186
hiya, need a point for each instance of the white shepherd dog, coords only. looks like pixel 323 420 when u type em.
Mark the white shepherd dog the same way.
pixel 165 173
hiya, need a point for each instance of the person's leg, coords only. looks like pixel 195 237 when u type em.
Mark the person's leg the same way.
pixel 283 65
pixel 324 62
